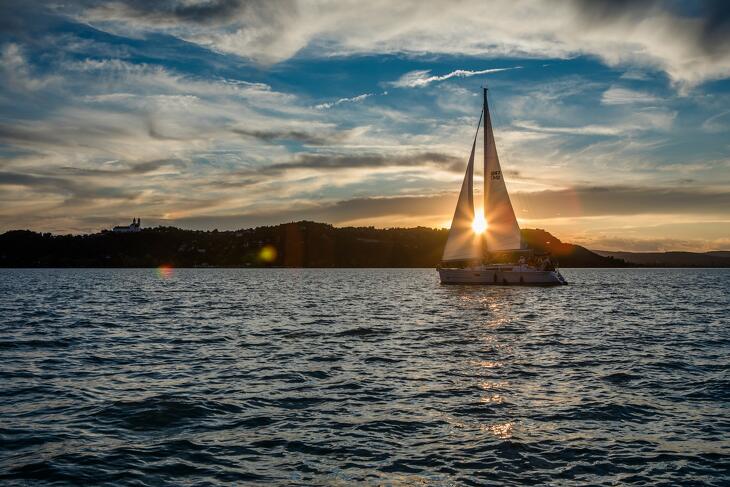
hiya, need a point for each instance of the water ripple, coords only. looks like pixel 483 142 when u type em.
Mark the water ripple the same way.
pixel 356 376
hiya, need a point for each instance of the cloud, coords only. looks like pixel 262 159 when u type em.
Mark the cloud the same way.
pixel 624 96
pixel 354 99
pixel 582 130
pixel 209 12
pixel 717 123
pixel 17 73
pixel 71 189
pixel 348 161
pixel 639 121
pixel 421 78
pixel 335 212
pixel 293 135
pixel 622 200
pixel 636 75
pixel 690 45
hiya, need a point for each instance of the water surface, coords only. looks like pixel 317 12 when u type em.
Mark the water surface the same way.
pixel 301 377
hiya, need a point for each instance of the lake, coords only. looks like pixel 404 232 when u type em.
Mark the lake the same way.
pixel 363 376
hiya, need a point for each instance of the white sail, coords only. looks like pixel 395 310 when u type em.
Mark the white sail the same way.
pixel 463 243
pixel 503 232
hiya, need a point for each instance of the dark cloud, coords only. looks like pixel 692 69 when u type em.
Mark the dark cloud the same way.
pixel 200 12
pixel 333 162
pixel 132 169
pixel 211 13
pixel 342 161
pixel 74 191
pixel 295 135
pixel 609 10
pixel 19 18
pixel 621 200
pixel 335 213
pixel 714 17
pixel 65 136
pixel 80 186
pixel 716 32
pixel 154 132
pixel 17 135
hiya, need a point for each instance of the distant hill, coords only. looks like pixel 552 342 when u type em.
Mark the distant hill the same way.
pixel 300 244
pixel 719 258
pixel 568 255
pixel 719 253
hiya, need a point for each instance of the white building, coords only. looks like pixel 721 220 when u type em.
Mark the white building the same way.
pixel 131 228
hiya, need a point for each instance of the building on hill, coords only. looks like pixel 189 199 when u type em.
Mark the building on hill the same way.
pixel 131 228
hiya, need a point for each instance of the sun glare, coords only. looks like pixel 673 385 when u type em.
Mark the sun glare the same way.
pixel 479 225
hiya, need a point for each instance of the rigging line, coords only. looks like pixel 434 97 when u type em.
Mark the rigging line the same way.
pixel 479 123
pixel 481 114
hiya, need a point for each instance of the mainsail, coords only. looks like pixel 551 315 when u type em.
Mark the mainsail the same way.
pixel 463 243
pixel 503 232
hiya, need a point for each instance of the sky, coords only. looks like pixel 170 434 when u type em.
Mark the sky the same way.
pixel 612 118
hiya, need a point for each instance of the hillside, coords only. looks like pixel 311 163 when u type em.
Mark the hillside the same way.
pixel 672 259
pixel 300 244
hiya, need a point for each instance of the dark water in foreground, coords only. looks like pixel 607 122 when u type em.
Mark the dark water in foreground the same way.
pixel 363 376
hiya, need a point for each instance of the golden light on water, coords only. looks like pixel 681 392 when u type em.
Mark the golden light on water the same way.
pixel 479 225
pixel 268 253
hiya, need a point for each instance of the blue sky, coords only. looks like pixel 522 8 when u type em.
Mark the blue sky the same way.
pixel 611 118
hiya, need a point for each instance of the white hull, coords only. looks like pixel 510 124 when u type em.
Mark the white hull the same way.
pixel 501 275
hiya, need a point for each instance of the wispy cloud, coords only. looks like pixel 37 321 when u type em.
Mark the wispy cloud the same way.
pixel 624 96
pixel 354 99
pixel 639 121
pixel 582 130
pixel 423 77
pixel 717 123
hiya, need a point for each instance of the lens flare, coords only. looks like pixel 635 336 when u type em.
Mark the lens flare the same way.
pixel 479 225
pixel 165 271
pixel 268 254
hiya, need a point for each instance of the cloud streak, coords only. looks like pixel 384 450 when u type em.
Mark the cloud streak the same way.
pixel 421 78
pixel 625 96
pixel 354 99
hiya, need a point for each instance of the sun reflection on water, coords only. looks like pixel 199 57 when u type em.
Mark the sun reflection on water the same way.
pixel 500 430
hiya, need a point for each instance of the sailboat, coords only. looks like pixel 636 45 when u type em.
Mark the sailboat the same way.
pixel 478 245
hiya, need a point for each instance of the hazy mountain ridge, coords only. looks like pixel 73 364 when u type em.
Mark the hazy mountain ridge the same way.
pixel 716 258
pixel 299 244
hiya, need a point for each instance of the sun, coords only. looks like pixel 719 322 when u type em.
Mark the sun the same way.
pixel 479 225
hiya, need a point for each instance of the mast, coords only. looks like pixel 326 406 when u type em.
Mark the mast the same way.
pixel 487 123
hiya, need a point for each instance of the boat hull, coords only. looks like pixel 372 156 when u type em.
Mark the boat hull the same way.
pixel 501 276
